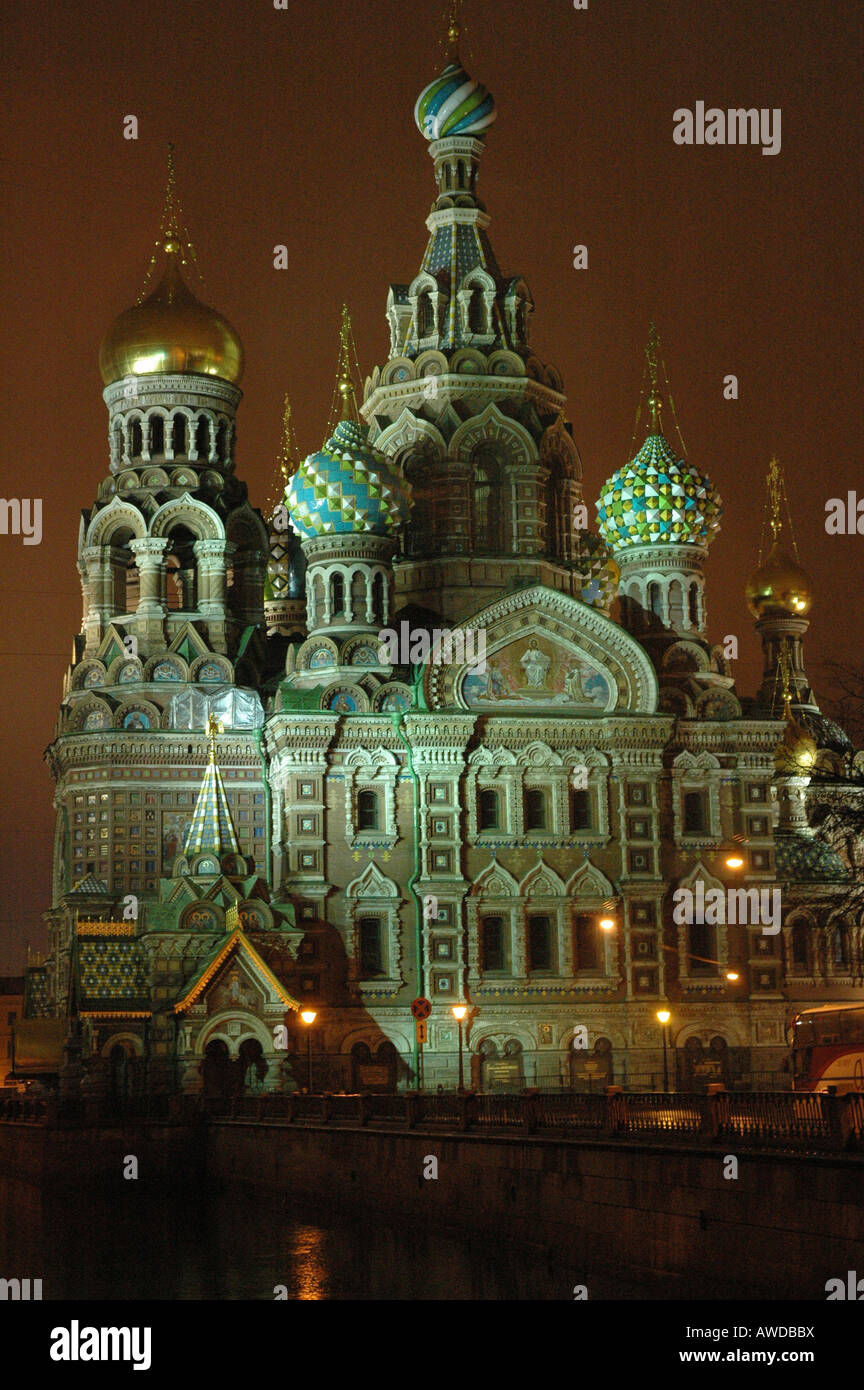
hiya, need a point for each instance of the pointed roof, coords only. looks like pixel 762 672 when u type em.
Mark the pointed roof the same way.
pixel 211 827
pixel 233 942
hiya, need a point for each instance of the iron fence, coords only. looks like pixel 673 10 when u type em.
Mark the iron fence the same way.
pixel 796 1121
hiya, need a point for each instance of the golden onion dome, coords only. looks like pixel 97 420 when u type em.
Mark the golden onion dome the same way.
pixel 780 583
pixel 171 332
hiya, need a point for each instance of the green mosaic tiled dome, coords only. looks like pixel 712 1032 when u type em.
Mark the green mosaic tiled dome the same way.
pixel 347 486
pixel 658 499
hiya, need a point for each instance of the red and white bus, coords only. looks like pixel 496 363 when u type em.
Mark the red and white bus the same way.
pixel 828 1048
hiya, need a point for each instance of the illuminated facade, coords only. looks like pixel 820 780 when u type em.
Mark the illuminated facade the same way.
pixel 367 832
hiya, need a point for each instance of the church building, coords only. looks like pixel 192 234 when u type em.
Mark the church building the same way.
pixel 427 730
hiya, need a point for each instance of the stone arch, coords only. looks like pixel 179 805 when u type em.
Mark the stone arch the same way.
pixel 590 882
pixel 406 431
pixel 116 519
pixel 510 439
pixel 495 882
pixel 187 511
pixel 132 1045
pixel 541 882
pixel 217 1027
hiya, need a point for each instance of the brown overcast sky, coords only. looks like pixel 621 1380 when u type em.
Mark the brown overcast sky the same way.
pixel 296 127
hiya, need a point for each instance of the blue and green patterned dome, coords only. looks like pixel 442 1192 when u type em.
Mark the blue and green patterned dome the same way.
pixel 347 486
pixel 454 104
pixel 658 500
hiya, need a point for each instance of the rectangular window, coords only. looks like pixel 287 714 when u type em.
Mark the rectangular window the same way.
pixel 535 809
pixel 586 941
pixel 583 811
pixel 492 943
pixel 701 952
pixel 695 817
pixel 489 818
pixel 371 958
pixel 539 943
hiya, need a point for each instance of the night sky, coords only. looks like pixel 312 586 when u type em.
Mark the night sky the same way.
pixel 295 127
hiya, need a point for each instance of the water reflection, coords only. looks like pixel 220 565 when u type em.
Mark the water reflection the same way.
pixel 133 1243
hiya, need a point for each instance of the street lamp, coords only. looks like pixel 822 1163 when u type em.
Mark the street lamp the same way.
pixel 607 923
pixel 663 1017
pixel 308 1016
pixel 732 975
pixel 459 1012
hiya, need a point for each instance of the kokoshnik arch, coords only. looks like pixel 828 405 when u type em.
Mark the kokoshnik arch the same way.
pixel 599 761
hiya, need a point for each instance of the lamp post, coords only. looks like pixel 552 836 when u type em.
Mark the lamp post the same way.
pixel 308 1016
pixel 459 1012
pixel 663 1017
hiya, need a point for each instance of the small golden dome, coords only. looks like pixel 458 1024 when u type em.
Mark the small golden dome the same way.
pixel 796 752
pixel 171 332
pixel 780 583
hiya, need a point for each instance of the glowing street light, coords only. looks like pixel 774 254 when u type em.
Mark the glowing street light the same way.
pixel 459 1012
pixel 732 975
pixel 308 1016
pixel 607 923
pixel 663 1017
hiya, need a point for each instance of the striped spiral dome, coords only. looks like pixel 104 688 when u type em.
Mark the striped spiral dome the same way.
pixel 454 104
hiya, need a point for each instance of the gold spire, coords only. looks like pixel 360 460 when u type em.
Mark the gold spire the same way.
pixel 286 460
pixel 779 581
pixel 655 400
pixel 454 27
pixel 214 728
pixel 173 236
pixel 344 404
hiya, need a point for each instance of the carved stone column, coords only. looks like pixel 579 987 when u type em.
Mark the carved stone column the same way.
pixel 148 554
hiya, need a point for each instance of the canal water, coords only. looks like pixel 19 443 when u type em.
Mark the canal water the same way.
pixel 133 1244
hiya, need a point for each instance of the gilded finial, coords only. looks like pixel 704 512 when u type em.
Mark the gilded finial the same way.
pixel 214 727
pixel 344 406
pixel 454 27
pixel 775 497
pixel 173 237
pixel 776 512
pixel 655 400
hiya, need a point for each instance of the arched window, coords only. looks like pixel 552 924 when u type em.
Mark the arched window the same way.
pixel 694 605
pixel 378 597
pixel 676 605
pixel 136 444
pixel 654 605
pixel 337 594
pixel 477 312
pixel 202 437
pixel 178 435
pixel 492 946
pixel 220 442
pixel 535 809
pixel 840 945
pixel 157 435
pixel 487 518
pixel 489 815
pixel 540 949
pixel 801 944
pixel 367 810
pixel 425 316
